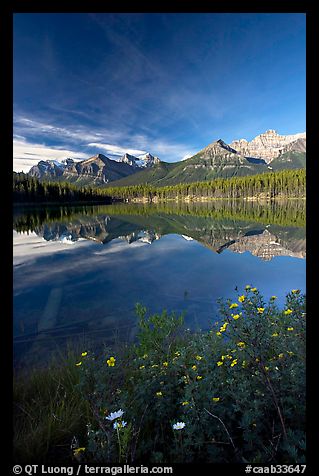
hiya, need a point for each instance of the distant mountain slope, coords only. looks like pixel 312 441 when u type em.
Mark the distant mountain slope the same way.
pixel 292 156
pixel 155 175
pixel 216 160
pixel 267 152
pixel 289 160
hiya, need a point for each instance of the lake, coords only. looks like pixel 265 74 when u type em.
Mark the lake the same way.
pixel 79 271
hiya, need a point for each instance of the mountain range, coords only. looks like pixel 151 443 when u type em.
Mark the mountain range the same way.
pixel 266 152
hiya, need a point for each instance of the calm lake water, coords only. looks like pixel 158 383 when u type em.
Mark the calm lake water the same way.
pixel 79 271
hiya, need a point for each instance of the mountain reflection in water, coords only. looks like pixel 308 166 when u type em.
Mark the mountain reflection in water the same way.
pixel 79 271
pixel 148 223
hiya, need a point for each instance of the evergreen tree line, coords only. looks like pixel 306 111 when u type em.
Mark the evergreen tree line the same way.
pixel 286 184
pixel 282 184
pixel 30 189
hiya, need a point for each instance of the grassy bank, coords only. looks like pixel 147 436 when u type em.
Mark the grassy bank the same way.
pixel 234 393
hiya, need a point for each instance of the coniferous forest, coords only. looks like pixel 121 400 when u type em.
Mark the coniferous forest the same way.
pixel 282 184
pixel 28 189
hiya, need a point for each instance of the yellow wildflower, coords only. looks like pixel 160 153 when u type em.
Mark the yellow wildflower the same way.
pixel 275 334
pixel 185 403
pixel 257 360
pixel 236 316
pixel 281 356
pixel 260 310
pixel 177 354
pixel 233 305
pixel 234 362
pixel 273 298
pixel 229 356
pixel 199 377
pixel 218 334
pixel 216 399
pixel 223 357
pixel 290 353
pixel 78 364
pixel 84 354
pixel 159 394
pixel 223 327
pixel 295 291
pixel 77 451
pixel 194 367
pixel 111 362
pixel 254 290
pixel 219 363
pixel 142 367
pixel 165 364
pixel 241 298
pixel 247 287
pixel 198 357
pixel 154 366
pixel 287 312
pixel 241 344
pixel 290 328
pixel 145 356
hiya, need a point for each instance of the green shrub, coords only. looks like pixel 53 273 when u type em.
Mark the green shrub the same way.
pixel 235 393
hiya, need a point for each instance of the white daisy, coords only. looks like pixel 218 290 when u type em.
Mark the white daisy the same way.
pixel 119 424
pixel 179 425
pixel 112 416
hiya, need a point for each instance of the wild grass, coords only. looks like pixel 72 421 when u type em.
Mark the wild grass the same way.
pixel 48 411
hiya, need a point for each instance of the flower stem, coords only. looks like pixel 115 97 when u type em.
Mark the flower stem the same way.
pixel 120 447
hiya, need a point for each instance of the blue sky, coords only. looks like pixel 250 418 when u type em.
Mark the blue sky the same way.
pixel 168 84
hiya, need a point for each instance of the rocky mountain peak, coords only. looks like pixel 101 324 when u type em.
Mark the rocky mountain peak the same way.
pixel 99 157
pixel 219 147
pixel 148 159
pixel 267 145
pixel 226 146
pixel 129 159
pixel 271 132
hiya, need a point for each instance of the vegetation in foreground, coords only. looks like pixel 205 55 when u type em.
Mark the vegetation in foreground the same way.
pixel 235 393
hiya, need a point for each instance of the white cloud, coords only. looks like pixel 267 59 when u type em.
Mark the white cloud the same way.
pixel 172 152
pixel 23 126
pixel 26 125
pixel 29 246
pixel 188 155
pixel 27 154
pixel 115 149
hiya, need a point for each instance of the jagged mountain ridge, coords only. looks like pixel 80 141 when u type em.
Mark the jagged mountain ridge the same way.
pixel 267 152
pixel 219 160
pixel 98 169
pixel 216 160
pixel 268 145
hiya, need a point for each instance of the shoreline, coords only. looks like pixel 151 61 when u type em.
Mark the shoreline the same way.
pixel 189 199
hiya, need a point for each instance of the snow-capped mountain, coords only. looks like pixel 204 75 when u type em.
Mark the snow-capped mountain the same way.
pixel 142 161
pixel 97 169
